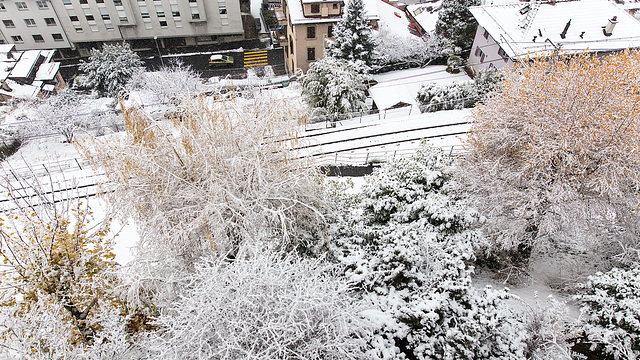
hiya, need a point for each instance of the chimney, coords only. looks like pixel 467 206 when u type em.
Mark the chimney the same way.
pixel 563 34
pixel 608 30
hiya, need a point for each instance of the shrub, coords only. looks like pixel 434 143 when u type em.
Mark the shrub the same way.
pixel 610 322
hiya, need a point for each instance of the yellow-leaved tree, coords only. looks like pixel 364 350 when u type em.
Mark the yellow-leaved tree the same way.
pixel 58 277
pixel 554 162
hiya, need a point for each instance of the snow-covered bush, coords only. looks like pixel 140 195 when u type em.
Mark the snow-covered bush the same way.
pixel 435 97
pixel 333 86
pixel 64 113
pixel 262 306
pixel 609 327
pixel 406 244
pixel 220 176
pixel 545 329
pixel 109 69
pixel 396 52
pixel 169 84
pixel 59 272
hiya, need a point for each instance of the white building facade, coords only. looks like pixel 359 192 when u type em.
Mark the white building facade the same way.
pixel 84 24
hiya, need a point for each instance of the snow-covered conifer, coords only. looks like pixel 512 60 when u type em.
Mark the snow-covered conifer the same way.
pixel 334 86
pixel 352 38
pixel 456 23
pixel 109 69
pixel 609 327
pixel 406 244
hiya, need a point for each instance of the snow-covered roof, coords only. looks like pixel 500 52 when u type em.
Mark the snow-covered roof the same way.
pixel 6 48
pixel 26 64
pixel 427 19
pixel 297 15
pixel 402 86
pixel 22 90
pixel 5 69
pixel 522 31
pixel 393 19
pixel 47 71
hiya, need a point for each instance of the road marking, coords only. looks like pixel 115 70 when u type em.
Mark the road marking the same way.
pixel 255 58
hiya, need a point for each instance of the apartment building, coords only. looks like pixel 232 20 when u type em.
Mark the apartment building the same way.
pixel 84 24
pixel 305 26
pixel 31 25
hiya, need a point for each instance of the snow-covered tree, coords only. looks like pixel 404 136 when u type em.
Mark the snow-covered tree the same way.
pixel 262 306
pixel 405 243
pixel 456 23
pixel 554 161
pixel 609 327
pixel 335 86
pixel 219 177
pixel 108 70
pixel 394 52
pixel 63 113
pixel 170 84
pixel 58 275
pixel 352 38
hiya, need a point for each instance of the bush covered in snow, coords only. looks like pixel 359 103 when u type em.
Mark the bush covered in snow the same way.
pixel 334 86
pixel 109 69
pixel 406 246
pixel 457 95
pixel 435 97
pixel 261 306
pixel 610 322
pixel 396 52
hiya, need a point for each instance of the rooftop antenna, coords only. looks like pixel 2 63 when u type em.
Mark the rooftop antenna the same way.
pixel 563 34
pixel 529 14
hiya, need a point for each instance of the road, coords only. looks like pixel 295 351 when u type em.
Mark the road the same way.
pixel 200 62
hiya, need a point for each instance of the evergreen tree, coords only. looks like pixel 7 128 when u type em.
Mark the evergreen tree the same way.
pixel 109 69
pixel 352 36
pixel 456 24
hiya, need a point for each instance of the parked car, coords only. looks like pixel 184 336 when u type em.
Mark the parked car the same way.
pixel 220 60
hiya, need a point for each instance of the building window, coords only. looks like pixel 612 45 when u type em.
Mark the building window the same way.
pixel 74 18
pixel 38 38
pixel 99 1
pixel 192 1
pixel 315 8
pixel 30 22
pixel 117 2
pixel 50 21
pixel 2 7
pixel 9 23
pixel 66 2
pixel 89 17
pixel 57 37
pixel 195 16
pixel 311 32
pixel 78 28
pixel 503 55
pixel 105 17
pixel 2 42
pixel 163 24
pixel 311 54
pixel 21 5
pixel 485 34
pixel 335 6
pixel 330 31
pixel 84 2
pixel 222 8
pixel 478 51
pixel 291 44
pixel 42 5
pixel 17 39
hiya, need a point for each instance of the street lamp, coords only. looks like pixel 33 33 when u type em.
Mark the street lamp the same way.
pixel 157 47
